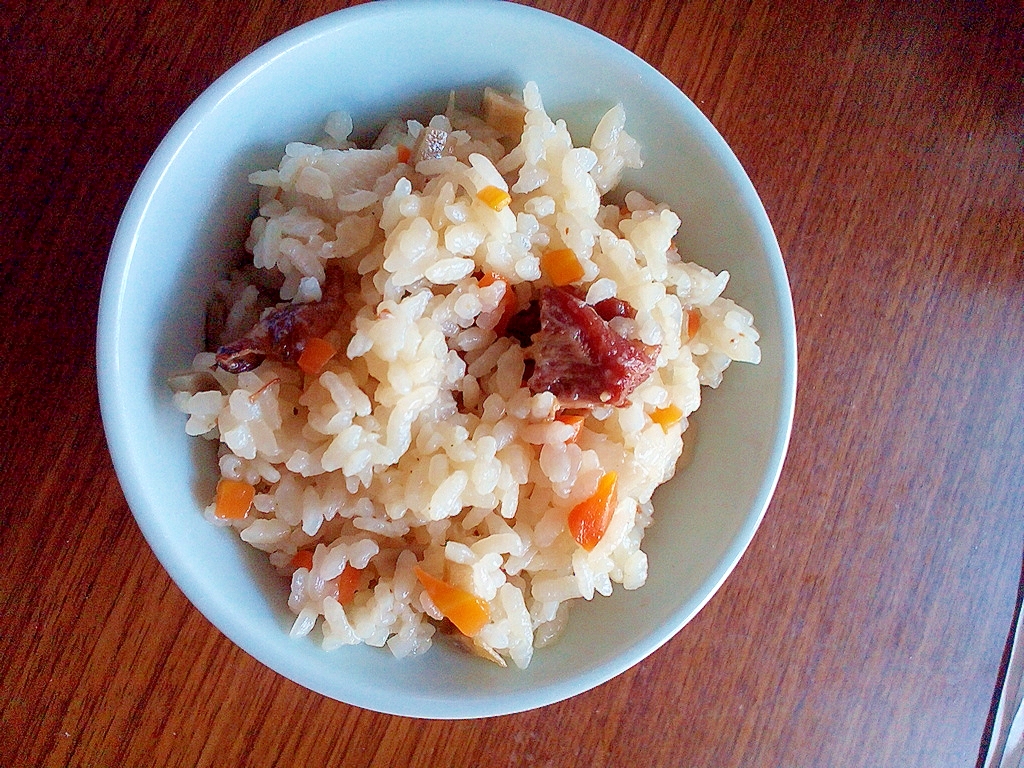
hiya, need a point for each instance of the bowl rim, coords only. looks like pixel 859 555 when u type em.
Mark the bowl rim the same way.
pixel 119 265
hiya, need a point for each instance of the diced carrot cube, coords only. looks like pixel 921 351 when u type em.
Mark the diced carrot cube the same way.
pixel 303 559
pixel 496 198
pixel 561 266
pixel 692 323
pixel 666 416
pixel 589 520
pixel 348 583
pixel 233 499
pixel 465 610
pixel 315 355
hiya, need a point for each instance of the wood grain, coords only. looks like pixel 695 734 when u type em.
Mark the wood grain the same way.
pixel 866 624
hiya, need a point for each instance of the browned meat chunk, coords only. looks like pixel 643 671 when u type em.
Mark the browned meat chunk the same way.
pixel 614 307
pixel 580 359
pixel 282 333
pixel 524 323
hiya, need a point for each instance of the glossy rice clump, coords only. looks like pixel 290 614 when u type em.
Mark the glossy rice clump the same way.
pixel 420 444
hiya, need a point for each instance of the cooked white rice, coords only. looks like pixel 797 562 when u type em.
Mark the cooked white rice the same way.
pixel 419 443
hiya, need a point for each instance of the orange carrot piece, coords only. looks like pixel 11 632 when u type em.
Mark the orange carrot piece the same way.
pixel 233 499
pixel 666 416
pixel 348 583
pixel 589 519
pixel 508 303
pixel 465 610
pixel 303 559
pixel 692 323
pixel 573 420
pixel 315 355
pixel 494 197
pixel 561 266
pixel 403 153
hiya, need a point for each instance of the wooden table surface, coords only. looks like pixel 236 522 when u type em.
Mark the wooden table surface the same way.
pixel 866 624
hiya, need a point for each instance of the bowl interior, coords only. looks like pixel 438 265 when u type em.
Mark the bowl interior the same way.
pixel 189 213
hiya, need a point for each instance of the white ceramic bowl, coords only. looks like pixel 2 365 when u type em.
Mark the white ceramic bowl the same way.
pixel 189 210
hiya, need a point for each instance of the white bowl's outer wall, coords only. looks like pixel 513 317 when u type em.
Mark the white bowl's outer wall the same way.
pixel 189 211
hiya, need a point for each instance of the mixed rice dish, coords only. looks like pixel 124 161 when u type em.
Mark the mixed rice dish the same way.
pixel 453 373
